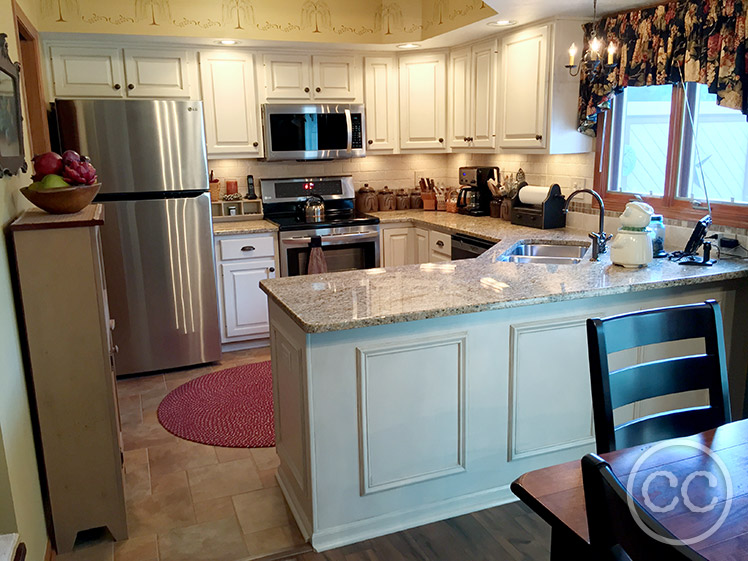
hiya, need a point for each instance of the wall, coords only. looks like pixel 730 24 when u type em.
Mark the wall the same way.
pixel 331 21
pixel 15 424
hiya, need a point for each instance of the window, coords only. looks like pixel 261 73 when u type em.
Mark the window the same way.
pixel 665 143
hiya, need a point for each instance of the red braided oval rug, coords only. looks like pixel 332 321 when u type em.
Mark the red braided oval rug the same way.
pixel 232 407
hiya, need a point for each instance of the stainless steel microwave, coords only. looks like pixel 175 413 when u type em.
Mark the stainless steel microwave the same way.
pixel 313 131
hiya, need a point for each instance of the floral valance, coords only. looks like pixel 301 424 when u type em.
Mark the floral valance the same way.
pixel 704 38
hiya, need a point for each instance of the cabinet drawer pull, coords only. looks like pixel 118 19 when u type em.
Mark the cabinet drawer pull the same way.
pixel 441 140
pixel 306 90
pixel 271 269
pixel 248 248
pixel 130 86
pixel 317 90
pixel 538 137
pixel 370 141
pixel 440 243
pixel 117 86
pixel 255 144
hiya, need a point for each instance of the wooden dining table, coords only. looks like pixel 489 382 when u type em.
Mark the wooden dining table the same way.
pixel 555 493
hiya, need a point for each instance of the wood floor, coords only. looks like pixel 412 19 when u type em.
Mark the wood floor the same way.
pixel 510 532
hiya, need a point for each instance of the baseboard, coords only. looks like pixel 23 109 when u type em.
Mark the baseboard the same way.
pixel 244 345
pixel 404 519
pixel 304 524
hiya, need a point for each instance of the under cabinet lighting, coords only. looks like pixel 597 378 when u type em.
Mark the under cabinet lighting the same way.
pixel 227 42
pixel 502 23
pixel 408 46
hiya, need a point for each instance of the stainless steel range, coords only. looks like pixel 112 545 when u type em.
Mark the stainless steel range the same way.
pixel 349 240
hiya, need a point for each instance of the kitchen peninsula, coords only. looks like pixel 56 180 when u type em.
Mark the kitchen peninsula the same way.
pixel 411 394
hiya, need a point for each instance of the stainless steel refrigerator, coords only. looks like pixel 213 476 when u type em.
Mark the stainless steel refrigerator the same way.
pixel 157 237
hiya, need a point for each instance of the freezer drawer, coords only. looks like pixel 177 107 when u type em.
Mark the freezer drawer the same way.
pixel 158 257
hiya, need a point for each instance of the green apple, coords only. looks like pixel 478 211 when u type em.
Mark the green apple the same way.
pixel 36 186
pixel 53 181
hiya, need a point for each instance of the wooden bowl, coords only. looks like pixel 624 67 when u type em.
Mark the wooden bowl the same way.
pixel 67 200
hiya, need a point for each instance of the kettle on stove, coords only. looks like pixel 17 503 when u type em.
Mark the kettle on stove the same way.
pixel 314 209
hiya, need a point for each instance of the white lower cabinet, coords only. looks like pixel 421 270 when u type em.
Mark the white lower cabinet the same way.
pixel 422 245
pixel 440 247
pixel 242 262
pixel 397 248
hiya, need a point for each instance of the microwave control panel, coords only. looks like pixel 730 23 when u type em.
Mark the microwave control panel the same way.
pixel 357 138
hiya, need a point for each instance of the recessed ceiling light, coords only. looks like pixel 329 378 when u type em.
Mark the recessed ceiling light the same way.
pixel 227 42
pixel 408 46
pixel 502 23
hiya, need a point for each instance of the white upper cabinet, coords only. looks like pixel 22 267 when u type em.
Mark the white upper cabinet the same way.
pixel 423 119
pixel 538 97
pixel 472 97
pixel 87 72
pixel 524 94
pixel 380 98
pixel 158 73
pixel 229 103
pixel 483 107
pixel 305 77
pixel 459 109
pixel 114 72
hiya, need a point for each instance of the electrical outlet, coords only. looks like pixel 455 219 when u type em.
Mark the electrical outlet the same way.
pixel 578 183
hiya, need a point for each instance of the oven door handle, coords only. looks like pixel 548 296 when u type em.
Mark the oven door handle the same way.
pixel 349 125
pixel 332 238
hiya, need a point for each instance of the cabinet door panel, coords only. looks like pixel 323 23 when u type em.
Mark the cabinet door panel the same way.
pixel 422 245
pixel 157 73
pixel 334 78
pixel 483 113
pixel 397 248
pixel 459 99
pixel 525 89
pixel 423 102
pixel 381 103
pixel 244 304
pixel 288 77
pixel 85 72
pixel 231 121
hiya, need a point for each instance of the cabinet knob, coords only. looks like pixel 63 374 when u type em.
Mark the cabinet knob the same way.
pixel 130 86
pixel 117 87
pixel 248 248
pixel 306 90
pixel 271 269
pixel 441 140
pixel 538 137
pixel 317 90
pixel 370 142
pixel 440 243
pixel 255 144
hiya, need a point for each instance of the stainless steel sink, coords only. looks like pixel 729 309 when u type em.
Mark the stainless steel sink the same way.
pixel 546 254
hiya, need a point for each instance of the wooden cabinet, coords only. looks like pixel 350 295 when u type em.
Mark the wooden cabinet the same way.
pixel 472 97
pixel 397 247
pixel 380 99
pixel 66 317
pixel 229 102
pixel 305 77
pixel 242 262
pixel 440 247
pixel 423 107
pixel 421 245
pixel 122 73
pixel 539 99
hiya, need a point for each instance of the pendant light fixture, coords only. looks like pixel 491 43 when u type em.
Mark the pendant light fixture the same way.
pixel 591 58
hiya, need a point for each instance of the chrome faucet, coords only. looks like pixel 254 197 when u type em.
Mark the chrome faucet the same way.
pixel 599 239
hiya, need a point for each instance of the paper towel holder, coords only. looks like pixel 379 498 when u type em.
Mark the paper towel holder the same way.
pixel 545 215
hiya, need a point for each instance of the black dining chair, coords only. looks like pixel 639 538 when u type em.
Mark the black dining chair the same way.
pixel 612 516
pixel 614 389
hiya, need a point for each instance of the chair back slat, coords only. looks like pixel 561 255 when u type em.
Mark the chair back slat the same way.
pixel 612 527
pixel 660 325
pixel 669 424
pixel 658 378
pixel 611 390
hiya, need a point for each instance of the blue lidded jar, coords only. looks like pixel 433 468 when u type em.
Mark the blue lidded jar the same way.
pixel 657 233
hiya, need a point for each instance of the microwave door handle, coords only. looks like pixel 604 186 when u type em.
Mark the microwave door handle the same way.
pixel 349 125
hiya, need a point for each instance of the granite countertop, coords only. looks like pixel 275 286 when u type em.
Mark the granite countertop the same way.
pixel 352 299
pixel 231 228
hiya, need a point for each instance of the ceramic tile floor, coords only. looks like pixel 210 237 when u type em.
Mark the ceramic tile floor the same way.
pixel 188 501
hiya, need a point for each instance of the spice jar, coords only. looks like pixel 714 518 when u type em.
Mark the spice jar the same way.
pixel 402 199
pixel 387 199
pixel 366 199
pixel 657 233
pixel 415 199
pixel 495 207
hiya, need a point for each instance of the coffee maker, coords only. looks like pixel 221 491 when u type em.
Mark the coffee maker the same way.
pixel 474 198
